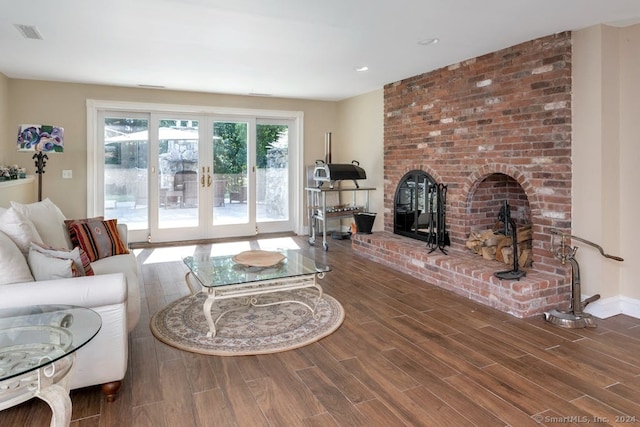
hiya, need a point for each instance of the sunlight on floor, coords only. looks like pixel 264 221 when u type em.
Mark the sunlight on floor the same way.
pixel 167 254
pixel 277 243
pixel 176 253
pixel 230 248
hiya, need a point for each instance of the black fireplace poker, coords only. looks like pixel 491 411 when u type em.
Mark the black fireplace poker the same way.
pixel 515 273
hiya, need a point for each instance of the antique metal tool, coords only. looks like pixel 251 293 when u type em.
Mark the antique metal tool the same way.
pixel 510 229
pixel 575 317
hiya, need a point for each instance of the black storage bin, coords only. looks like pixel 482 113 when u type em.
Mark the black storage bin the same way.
pixel 364 221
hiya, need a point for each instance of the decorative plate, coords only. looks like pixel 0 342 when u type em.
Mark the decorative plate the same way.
pixel 258 258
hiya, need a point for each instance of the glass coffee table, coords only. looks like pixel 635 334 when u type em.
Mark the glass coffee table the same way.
pixel 37 350
pixel 224 277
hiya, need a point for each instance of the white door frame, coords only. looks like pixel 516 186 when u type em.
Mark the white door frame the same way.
pixel 95 153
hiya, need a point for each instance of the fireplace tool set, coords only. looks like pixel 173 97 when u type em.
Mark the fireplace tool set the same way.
pixel 436 207
pixel 510 228
pixel 575 317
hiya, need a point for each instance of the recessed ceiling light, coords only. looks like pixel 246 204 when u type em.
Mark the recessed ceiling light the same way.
pixel 428 42
pixel 362 68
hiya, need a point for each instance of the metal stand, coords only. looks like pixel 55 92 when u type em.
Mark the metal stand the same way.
pixel 515 273
pixel 436 204
pixel 575 317
pixel 40 164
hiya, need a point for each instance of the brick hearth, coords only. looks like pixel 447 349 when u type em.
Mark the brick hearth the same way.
pixel 465 274
pixel 493 128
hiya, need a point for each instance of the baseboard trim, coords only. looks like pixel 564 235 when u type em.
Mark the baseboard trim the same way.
pixel 608 307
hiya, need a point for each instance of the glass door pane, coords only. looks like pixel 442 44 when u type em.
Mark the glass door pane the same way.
pixel 230 173
pixel 177 173
pixel 126 185
pixel 272 172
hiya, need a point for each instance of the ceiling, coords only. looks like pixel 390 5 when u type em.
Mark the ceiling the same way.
pixel 282 48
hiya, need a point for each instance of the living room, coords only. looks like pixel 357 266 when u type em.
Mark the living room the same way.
pixel 603 149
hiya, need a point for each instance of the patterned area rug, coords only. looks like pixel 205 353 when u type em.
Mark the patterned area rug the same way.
pixel 248 330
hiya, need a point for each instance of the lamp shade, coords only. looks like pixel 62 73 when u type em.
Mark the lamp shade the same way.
pixel 41 138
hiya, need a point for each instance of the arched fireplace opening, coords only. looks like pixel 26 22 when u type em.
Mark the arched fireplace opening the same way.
pixel 419 211
pixel 487 199
pixel 494 193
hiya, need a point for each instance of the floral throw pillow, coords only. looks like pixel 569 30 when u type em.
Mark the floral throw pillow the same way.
pixel 98 238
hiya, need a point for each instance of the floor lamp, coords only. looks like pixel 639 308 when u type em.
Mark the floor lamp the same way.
pixel 40 139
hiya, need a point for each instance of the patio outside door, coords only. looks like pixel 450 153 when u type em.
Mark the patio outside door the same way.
pixel 251 176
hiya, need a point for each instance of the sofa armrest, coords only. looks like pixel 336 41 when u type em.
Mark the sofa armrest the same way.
pixel 123 230
pixel 87 291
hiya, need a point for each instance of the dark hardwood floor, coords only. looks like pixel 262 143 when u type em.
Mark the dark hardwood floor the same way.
pixel 407 353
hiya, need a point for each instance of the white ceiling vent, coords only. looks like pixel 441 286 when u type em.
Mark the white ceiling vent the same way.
pixel 29 31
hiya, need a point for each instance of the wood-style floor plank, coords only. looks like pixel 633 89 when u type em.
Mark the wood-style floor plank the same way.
pixel 330 397
pixel 407 354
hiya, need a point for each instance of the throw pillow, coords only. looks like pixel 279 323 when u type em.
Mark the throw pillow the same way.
pixel 20 229
pixel 98 238
pixel 48 220
pixel 13 264
pixel 44 267
pixel 71 231
pixel 77 255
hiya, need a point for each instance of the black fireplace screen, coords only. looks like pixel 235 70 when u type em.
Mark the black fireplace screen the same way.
pixel 420 205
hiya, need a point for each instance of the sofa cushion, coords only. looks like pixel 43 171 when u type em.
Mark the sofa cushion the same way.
pixel 128 265
pixel 77 255
pixel 44 267
pixel 13 264
pixel 19 228
pixel 99 238
pixel 48 220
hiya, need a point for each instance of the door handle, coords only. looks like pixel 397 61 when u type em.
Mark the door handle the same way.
pixel 209 180
pixel 202 180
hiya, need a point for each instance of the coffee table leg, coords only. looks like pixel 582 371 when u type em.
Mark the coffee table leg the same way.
pixel 57 397
pixel 207 315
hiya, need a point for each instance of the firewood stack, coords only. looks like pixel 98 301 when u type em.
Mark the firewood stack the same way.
pixel 496 246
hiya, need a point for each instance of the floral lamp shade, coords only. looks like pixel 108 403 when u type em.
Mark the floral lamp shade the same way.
pixel 41 138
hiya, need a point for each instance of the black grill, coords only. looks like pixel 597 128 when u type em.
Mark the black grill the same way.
pixel 332 172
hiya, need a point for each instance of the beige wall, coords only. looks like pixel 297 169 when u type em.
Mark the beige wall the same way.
pixel 359 136
pixel 4 117
pixel 605 158
pixel 630 160
pixel 64 104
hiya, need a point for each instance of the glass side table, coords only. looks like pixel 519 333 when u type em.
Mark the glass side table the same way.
pixel 37 350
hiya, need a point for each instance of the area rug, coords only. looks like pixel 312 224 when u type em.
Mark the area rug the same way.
pixel 248 330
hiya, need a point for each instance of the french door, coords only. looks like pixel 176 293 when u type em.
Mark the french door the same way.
pixel 173 176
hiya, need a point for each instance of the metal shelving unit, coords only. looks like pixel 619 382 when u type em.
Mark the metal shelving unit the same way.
pixel 319 213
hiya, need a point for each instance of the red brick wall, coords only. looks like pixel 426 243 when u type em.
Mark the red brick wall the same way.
pixel 508 112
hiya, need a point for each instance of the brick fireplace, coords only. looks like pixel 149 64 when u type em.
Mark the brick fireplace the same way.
pixel 493 128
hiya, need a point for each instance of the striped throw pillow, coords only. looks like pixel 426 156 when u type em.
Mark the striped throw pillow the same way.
pixel 98 238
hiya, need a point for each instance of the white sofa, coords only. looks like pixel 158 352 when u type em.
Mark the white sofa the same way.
pixel 113 292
